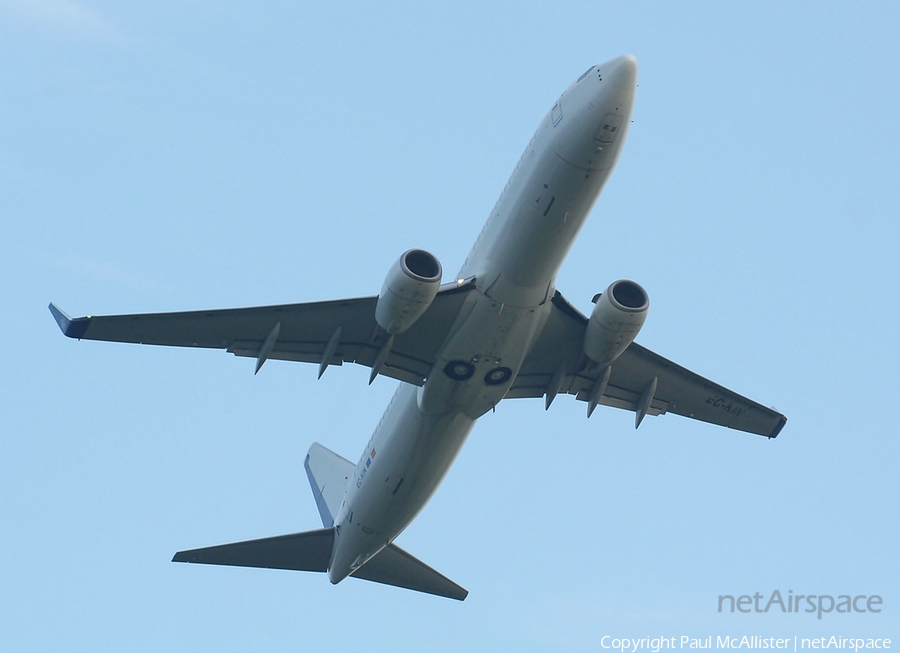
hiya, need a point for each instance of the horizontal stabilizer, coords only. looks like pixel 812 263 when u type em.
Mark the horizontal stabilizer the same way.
pixel 394 566
pixel 328 475
pixel 309 551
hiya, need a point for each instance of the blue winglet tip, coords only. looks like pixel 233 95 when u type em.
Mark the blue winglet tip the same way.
pixel 69 327
pixel 63 320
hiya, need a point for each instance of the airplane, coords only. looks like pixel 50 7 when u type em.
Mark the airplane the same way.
pixel 498 330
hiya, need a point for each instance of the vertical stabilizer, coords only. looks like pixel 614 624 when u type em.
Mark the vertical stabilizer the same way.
pixel 328 475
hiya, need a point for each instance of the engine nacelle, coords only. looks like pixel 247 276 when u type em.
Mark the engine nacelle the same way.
pixel 408 291
pixel 618 315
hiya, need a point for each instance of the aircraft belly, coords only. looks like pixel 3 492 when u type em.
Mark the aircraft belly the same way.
pixel 514 262
pixel 404 463
pixel 537 222
pixel 478 363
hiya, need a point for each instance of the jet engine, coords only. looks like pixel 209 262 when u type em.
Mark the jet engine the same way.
pixel 618 315
pixel 408 291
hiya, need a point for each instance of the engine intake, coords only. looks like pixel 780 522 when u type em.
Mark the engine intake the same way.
pixel 618 316
pixel 411 285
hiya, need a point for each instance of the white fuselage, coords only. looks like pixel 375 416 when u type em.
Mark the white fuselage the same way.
pixel 514 262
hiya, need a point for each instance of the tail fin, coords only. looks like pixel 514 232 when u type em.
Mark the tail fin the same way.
pixel 328 477
pixel 309 551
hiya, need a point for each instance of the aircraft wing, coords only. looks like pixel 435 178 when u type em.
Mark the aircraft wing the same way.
pixel 294 332
pixel 631 380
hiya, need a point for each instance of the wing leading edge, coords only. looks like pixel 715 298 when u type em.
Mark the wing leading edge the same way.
pixel 639 380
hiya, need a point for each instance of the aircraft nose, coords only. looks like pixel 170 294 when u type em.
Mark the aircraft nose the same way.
pixel 622 71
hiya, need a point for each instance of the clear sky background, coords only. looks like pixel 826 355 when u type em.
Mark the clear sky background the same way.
pixel 159 156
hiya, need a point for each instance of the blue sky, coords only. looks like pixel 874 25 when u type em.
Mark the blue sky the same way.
pixel 180 155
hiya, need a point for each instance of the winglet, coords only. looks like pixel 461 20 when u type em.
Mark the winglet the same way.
pixel 70 328
pixel 778 428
